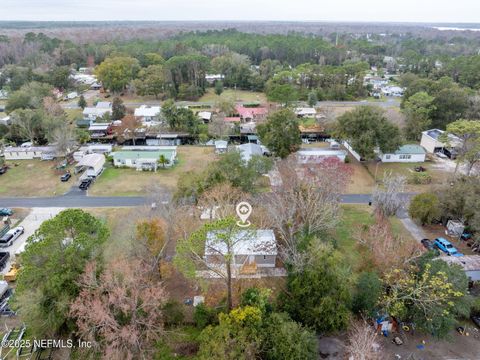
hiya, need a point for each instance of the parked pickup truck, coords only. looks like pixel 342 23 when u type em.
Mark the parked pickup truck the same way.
pixel 445 246
pixel 4 256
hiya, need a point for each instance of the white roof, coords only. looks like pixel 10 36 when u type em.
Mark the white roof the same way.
pixel 92 160
pixel 305 111
pixel 467 262
pixel 30 148
pixel 96 111
pixel 246 242
pixel 104 105
pixel 248 150
pixel 321 152
pixel 207 115
pixel 98 127
pixel 147 111
pixel 221 144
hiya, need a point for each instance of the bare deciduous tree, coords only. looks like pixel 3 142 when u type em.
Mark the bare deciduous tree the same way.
pixel 120 311
pixel 210 252
pixel 52 107
pixel 305 201
pixel 388 251
pixel 128 129
pixel 387 198
pixel 362 343
pixel 219 202
pixel 62 136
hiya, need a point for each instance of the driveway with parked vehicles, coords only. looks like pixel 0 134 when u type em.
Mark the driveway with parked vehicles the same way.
pixel 30 224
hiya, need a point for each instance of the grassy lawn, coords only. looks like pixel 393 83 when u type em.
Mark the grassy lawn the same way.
pixel 361 181
pixel 32 178
pixel 121 222
pixel 439 176
pixel 237 95
pixel 308 122
pixel 353 218
pixel 129 182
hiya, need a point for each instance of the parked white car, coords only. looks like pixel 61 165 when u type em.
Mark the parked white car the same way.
pixel 12 235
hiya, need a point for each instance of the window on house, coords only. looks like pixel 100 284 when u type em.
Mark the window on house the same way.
pixel 387 156
pixel 264 257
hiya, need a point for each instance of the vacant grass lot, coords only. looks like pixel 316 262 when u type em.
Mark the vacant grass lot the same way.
pixel 236 95
pixel 355 217
pixel 407 169
pixel 33 178
pixel 129 182
pixel 361 181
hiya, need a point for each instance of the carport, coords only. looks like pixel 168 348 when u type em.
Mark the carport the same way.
pixel 92 164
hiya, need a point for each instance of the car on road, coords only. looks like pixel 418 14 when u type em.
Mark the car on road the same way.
pixel 85 184
pixel 6 212
pixel 65 177
pixel 445 246
pixel 11 235
pixel 428 244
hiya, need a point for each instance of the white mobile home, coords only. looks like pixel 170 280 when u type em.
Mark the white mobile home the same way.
pixel 469 263
pixel 250 247
pixel 315 155
pixel 406 153
pixel 305 112
pixel 145 158
pixel 148 114
pixel 30 152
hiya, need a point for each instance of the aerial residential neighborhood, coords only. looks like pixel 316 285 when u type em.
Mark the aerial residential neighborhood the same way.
pixel 281 189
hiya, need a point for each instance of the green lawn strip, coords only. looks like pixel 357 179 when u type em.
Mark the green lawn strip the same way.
pixel 353 218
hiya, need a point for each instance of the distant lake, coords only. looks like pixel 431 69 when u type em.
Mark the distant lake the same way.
pixel 446 28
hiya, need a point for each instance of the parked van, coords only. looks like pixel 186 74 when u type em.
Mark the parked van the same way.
pixel 12 235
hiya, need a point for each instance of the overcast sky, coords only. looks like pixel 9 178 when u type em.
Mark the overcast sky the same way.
pixel 296 10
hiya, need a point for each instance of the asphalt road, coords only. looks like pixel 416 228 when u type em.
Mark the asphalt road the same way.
pixel 69 201
pixel 82 201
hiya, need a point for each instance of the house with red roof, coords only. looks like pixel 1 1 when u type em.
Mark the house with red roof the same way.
pixel 248 114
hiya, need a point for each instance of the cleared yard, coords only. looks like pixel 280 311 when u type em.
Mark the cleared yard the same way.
pixel 129 182
pixel 361 180
pixel 438 175
pixel 237 95
pixel 355 217
pixel 33 178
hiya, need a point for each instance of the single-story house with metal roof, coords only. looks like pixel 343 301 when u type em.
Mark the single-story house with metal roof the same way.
pixel 469 263
pixel 406 153
pixel 148 114
pixel 92 113
pixel 30 152
pixel 250 247
pixel 144 158
pixel 305 112
pixel 315 155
